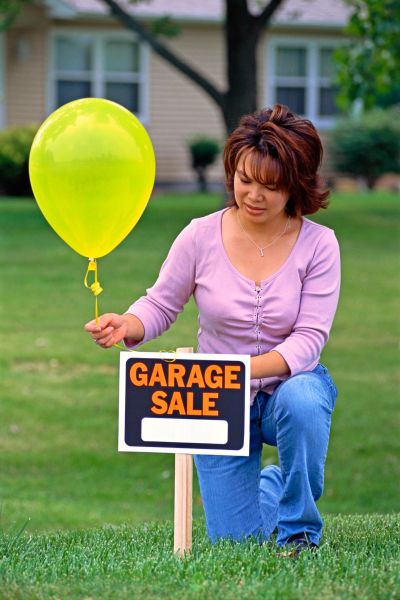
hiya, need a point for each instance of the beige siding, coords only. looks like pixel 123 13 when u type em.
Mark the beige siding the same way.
pixel 179 109
pixel 327 169
pixel 26 79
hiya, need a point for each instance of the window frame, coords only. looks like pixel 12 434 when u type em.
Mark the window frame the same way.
pixel 313 81
pixel 98 76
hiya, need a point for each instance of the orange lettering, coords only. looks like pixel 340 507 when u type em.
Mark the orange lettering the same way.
pixel 231 375
pixel 158 375
pixel 138 378
pixel 209 404
pixel 175 375
pixel 213 376
pixel 190 410
pixel 176 404
pixel 195 377
pixel 161 404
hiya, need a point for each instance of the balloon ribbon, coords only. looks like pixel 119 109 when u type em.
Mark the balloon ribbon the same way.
pixel 97 289
pixel 95 286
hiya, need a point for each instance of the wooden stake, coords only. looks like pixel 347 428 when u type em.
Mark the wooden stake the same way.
pixel 183 498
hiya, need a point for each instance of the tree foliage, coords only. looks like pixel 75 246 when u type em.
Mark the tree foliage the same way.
pixel 369 64
pixel 204 151
pixel 368 146
pixel 242 32
pixel 9 10
pixel 15 145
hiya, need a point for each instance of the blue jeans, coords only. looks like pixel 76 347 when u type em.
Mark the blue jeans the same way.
pixel 240 500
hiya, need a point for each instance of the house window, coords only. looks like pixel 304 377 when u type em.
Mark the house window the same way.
pixel 100 65
pixel 301 74
pixel 291 85
pixel 326 89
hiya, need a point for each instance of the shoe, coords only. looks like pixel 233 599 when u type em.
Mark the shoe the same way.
pixel 296 544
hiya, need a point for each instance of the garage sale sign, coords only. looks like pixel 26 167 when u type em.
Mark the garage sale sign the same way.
pixel 184 403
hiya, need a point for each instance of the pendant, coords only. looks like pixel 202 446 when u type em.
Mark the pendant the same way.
pixel 261 252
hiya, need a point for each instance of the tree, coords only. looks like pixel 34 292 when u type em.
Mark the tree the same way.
pixel 369 65
pixel 204 152
pixel 242 31
pixel 9 10
pixel 368 146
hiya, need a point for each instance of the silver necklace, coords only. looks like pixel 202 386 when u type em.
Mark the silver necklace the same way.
pixel 275 239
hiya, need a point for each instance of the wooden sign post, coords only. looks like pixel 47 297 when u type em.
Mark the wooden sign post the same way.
pixel 184 403
pixel 183 504
pixel 183 498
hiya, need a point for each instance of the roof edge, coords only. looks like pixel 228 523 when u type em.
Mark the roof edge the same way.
pixel 63 9
pixel 58 9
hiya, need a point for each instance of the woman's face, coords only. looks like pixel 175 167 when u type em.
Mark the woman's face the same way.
pixel 257 202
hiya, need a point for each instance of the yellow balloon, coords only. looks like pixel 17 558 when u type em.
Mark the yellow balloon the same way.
pixel 92 170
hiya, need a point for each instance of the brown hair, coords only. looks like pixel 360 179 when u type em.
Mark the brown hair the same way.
pixel 285 151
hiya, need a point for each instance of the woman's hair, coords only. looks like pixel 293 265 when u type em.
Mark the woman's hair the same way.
pixel 285 152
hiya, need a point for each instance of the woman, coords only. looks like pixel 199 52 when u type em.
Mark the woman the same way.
pixel 266 283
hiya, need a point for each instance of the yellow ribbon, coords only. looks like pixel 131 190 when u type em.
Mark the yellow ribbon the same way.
pixel 95 287
pixel 171 360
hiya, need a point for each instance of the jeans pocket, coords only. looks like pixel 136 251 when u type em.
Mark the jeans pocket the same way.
pixel 333 391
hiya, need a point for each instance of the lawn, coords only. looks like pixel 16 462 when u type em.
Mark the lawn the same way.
pixel 58 414
pixel 359 560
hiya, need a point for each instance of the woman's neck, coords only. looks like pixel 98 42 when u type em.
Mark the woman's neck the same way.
pixel 265 229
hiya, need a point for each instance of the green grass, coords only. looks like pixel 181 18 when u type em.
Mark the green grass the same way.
pixel 360 560
pixel 59 392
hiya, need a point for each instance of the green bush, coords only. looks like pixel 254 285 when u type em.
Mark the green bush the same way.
pixel 203 152
pixel 15 145
pixel 369 145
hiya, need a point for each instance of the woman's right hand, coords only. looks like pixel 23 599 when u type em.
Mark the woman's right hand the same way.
pixel 110 329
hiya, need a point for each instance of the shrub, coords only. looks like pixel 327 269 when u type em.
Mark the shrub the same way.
pixel 15 145
pixel 368 146
pixel 203 151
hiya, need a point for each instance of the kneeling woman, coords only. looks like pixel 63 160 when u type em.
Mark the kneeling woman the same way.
pixel 266 283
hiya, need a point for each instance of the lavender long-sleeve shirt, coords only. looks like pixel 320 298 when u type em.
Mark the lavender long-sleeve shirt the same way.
pixel 291 311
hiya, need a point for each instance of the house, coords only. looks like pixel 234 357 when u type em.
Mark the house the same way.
pixel 60 50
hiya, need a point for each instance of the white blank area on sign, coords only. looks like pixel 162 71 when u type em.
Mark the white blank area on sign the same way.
pixel 185 431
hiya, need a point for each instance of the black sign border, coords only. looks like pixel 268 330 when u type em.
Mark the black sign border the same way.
pixel 188 448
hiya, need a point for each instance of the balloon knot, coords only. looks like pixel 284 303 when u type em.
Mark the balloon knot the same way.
pixel 96 288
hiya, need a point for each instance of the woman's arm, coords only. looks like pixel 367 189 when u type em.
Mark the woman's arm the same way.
pixel 159 308
pixel 318 303
pixel 271 364
pixel 152 314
